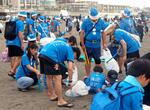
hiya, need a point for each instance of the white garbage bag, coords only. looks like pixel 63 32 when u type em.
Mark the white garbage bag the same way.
pixel 46 40
pixel 74 76
pixel 52 35
pixel 1 26
pixel 79 89
pixel 109 62
pixel 146 107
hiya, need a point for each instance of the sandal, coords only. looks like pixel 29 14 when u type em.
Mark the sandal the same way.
pixel 54 99
pixel 12 74
pixel 68 105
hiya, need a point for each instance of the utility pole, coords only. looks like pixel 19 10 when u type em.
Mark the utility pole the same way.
pixel 31 4
pixel 25 4
pixel 36 5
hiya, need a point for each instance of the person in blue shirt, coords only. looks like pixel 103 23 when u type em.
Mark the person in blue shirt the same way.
pixel 55 26
pixel 92 42
pixel 146 98
pixel 16 46
pixel 27 74
pixel 129 46
pixel 127 23
pixel 42 28
pixel 138 77
pixel 96 80
pixel 48 22
pixel 52 58
pixel 111 78
pixel 32 23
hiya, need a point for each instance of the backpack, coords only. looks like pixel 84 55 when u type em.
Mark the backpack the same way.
pixel 10 30
pixel 110 97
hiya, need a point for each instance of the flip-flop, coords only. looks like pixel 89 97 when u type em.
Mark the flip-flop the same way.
pixel 68 105
pixel 11 74
pixel 54 99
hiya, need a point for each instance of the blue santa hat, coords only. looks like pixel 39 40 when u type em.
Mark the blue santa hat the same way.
pixel 22 14
pixel 33 14
pixel 41 18
pixel 94 14
pixel 31 37
pixel 126 12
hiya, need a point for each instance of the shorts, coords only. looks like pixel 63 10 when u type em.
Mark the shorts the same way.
pixel 14 51
pixel 93 53
pixel 133 54
pixel 47 67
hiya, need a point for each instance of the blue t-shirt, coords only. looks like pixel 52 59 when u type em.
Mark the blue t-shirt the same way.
pixel 24 62
pixel 54 25
pixel 131 101
pixel 59 51
pixel 95 81
pixel 127 24
pixel 43 30
pixel 19 28
pixel 48 24
pixel 132 44
pixel 95 34
pixel 33 24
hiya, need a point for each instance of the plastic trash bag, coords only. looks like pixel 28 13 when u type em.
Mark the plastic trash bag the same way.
pixel 109 62
pixel 46 40
pixel 146 107
pixel 79 89
pixel 74 77
pixel 4 56
pixel 52 35
pixel 1 26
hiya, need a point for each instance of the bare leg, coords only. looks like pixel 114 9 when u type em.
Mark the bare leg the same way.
pixel 16 64
pixel 88 69
pixel 121 63
pixel 58 89
pixel 51 91
pixel 12 61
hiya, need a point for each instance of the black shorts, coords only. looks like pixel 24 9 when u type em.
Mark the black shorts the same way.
pixel 133 54
pixel 47 67
pixel 14 51
pixel 94 53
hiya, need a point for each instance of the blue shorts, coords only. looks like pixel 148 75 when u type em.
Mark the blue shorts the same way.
pixel 93 53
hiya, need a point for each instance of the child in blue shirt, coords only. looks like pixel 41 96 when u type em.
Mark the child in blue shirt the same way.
pixel 111 78
pixel 138 77
pixel 96 80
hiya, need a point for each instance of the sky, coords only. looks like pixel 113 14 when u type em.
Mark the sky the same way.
pixel 138 3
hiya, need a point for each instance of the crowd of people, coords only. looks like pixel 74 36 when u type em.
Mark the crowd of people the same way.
pixel 30 62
